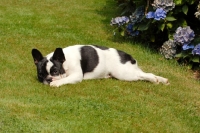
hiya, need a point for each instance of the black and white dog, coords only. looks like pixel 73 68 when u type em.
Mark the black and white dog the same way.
pixel 75 63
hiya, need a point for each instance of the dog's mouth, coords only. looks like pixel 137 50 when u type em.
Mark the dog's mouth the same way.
pixel 48 80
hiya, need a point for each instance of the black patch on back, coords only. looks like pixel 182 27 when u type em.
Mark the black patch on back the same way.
pixel 89 59
pixel 124 57
pixel 101 47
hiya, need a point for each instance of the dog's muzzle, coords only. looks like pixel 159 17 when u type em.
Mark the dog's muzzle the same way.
pixel 48 80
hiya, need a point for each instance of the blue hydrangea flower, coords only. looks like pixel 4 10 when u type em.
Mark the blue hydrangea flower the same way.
pixel 130 30
pixel 184 35
pixel 196 50
pixel 186 47
pixel 129 27
pixel 137 16
pixel 150 15
pixel 119 20
pixel 159 14
pixel 136 33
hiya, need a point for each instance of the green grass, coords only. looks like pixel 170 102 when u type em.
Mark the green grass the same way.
pixel 106 105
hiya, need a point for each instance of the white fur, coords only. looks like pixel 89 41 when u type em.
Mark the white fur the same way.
pixel 49 65
pixel 109 63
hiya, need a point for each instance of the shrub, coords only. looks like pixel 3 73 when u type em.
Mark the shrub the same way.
pixel 171 26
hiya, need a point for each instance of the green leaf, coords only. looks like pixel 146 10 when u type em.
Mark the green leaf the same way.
pixel 177 11
pixel 179 55
pixel 183 22
pixel 180 22
pixel 153 21
pixel 170 13
pixel 143 27
pixel 185 9
pixel 161 26
pixel 152 38
pixel 135 27
pixel 178 2
pixel 190 66
pixel 182 55
pixel 195 59
pixel 196 40
pixel 122 33
pixel 169 25
pixel 170 18
pixel 191 1
pixel 170 35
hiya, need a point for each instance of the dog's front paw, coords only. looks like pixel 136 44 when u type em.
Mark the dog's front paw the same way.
pixel 55 83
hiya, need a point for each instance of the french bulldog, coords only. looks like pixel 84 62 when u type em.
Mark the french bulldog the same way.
pixel 72 64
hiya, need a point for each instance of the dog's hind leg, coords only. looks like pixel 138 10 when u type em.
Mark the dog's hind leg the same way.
pixel 152 78
pixel 134 73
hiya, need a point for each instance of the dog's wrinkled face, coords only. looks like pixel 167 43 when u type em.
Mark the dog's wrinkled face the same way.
pixel 49 69
pixel 42 72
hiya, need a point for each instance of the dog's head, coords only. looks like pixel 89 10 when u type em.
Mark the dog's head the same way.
pixel 49 68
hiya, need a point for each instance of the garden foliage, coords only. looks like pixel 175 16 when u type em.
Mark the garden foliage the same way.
pixel 170 25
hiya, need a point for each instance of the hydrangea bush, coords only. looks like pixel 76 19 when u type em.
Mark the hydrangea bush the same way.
pixel 172 26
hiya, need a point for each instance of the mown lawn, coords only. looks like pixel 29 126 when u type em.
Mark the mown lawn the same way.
pixel 106 105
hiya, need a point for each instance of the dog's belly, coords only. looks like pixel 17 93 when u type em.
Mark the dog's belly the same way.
pixel 95 75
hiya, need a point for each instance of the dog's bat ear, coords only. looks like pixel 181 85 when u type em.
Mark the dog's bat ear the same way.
pixel 59 55
pixel 37 56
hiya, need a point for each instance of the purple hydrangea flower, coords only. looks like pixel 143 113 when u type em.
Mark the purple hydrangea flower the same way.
pixel 186 47
pixel 184 35
pixel 150 15
pixel 196 50
pixel 159 14
pixel 119 20
pixel 130 30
